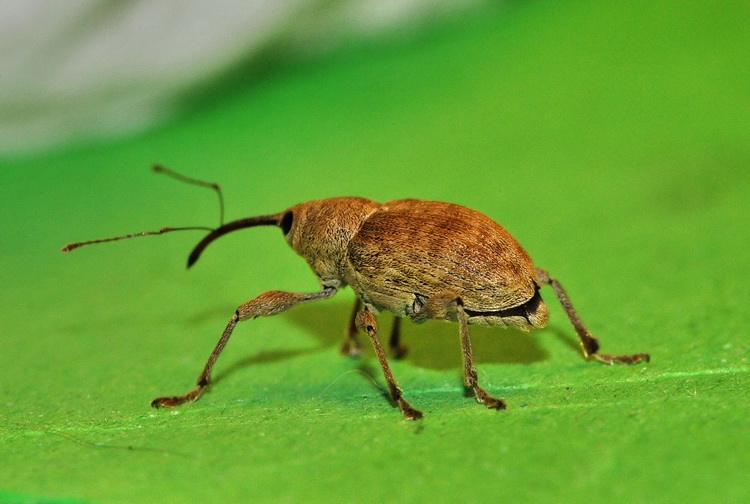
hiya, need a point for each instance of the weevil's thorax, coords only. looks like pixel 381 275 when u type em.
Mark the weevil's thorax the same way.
pixel 320 231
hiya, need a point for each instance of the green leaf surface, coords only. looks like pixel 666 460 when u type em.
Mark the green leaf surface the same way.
pixel 612 141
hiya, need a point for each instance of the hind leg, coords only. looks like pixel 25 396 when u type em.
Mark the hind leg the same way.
pixel 589 343
pixel 448 305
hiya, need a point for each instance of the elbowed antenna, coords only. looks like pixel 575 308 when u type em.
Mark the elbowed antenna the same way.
pixel 75 245
pixel 190 180
pixel 261 220
pixel 177 176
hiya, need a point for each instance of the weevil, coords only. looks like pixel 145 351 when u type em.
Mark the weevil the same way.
pixel 414 258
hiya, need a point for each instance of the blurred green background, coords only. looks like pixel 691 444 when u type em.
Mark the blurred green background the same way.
pixel 612 140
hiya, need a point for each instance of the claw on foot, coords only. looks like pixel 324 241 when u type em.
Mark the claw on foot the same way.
pixel 172 401
pixel 486 399
pixel 622 359
pixel 166 402
pixel 409 412
pixel 493 403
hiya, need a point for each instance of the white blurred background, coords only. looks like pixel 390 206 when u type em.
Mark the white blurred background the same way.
pixel 93 69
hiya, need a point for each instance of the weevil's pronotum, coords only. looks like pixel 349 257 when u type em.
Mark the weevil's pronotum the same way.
pixel 414 258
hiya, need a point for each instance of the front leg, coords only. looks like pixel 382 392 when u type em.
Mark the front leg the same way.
pixel 268 303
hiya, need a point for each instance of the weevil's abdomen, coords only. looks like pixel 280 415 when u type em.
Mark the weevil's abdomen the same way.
pixel 533 313
pixel 410 249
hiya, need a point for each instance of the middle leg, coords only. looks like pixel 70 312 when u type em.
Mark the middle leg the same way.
pixel 398 349
pixel 351 346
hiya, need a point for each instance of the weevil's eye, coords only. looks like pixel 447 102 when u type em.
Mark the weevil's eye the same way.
pixel 286 222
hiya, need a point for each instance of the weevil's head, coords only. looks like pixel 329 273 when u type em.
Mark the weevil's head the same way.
pixel 320 231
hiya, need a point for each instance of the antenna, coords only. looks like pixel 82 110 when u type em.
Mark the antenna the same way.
pixel 178 176
pixel 182 178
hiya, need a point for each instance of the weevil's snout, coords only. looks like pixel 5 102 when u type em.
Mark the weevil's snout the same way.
pixel 198 249
pixel 261 220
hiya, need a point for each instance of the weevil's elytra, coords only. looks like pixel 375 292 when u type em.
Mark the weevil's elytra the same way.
pixel 417 259
pixel 410 248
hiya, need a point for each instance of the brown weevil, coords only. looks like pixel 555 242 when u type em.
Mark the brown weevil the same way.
pixel 414 258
